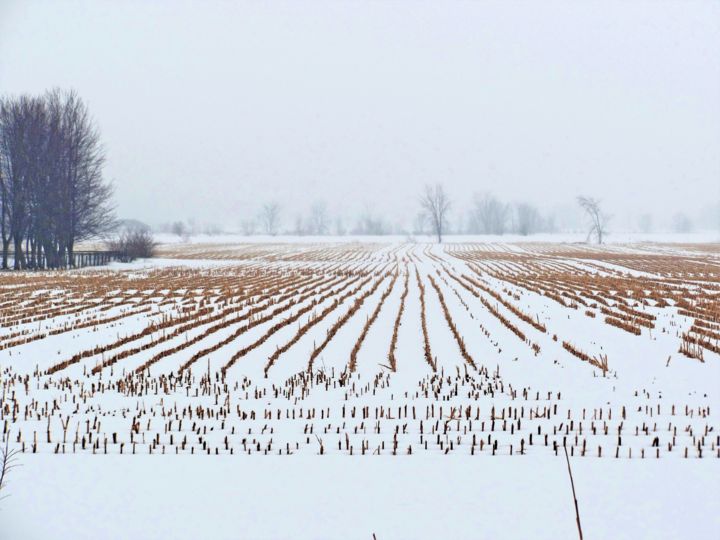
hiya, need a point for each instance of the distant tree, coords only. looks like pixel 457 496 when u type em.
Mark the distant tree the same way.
pixel 682 223
pixel 191 227
pixel 179 229
pixel 319 220
pixel 708 217
pixel 460 225
pixel 300 228
pixel 527 219
pixel 419 225
pixel 248 227
pixel 646 223
pixel 340 229
pixel 212 229
pixel 597 218
pixel 270 218
pixel 489 215
pixel 435 205
pixel 549 223
pixel 370 224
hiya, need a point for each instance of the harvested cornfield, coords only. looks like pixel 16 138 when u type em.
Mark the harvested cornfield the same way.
pixel 370 349
pixel 466 351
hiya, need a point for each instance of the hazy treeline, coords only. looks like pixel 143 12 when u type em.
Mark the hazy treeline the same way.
pixel 52 191
pixel 484 213
pixel 490 215
pixel 487 215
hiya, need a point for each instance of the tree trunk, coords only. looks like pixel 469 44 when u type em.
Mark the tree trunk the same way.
pixel 70 253
pixel 5 252
pixel 19 262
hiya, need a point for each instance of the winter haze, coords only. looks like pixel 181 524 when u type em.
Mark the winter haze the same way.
pixel 207 110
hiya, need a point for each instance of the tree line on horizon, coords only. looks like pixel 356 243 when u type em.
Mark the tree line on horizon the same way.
pixel 53 195
pixel 488 215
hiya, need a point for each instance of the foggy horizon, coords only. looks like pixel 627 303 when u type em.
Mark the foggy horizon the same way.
pixel 359 269
pixel 207 111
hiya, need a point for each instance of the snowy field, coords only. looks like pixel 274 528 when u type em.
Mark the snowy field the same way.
pixel 325 388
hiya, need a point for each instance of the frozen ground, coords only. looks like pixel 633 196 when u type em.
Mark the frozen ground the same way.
pixel 161 399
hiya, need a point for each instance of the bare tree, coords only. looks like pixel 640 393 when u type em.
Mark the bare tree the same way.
pixel 247 226
pixel 682 223
pixel 192 226
pixel 19 149
pixel 435 205
pixel 370 224
pixel 300 228
pixel 51 184
pixel 489 215
pixel 270 218
pixel 212 229
pixel 528 220
pixel 4 218
pixel 340 229
pixel 319 220
pixel 598 219
pixel 419 223
pixel 179 229
pixel 646 223
pixel 10 181
pixel 78 171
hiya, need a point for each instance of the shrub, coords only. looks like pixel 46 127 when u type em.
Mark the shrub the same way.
pixel 133 244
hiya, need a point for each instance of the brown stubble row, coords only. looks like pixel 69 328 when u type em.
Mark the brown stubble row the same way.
pixel 686 286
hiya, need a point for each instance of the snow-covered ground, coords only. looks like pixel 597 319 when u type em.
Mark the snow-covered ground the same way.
pixel 318 388
pixel 271 497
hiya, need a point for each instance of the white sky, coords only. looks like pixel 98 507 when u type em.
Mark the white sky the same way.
pixel 208 109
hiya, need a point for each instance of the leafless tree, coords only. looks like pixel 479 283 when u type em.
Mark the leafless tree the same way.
pixel 192 226
pixel 528 219
pixel 248 227
pixel 300 228
pixel 270 218
pixel 682 223
pixel 435 205
pixel 87 195
pixel 51 184
pixel 369 223
pixel 20 119
pixel 212 229
pixel 10 178
pixel 646 223
pixel 179 229
pixel 489 215
pixel 598 219
pixel 4 219
pixel 340 229
pixel 319 220
pixel 419 225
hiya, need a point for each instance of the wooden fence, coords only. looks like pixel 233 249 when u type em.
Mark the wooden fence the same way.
pixel 82 259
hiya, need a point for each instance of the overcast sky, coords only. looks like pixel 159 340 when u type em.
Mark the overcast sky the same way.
pixel 208 109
